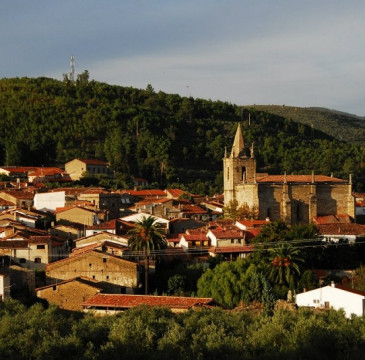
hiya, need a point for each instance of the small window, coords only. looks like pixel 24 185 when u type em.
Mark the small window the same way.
pixel 107 277
pixel 232 241
pixel 90 265
pixel 54 287
pixel 41 246
pixel 38 260
pixel 94 277
pixel 105 260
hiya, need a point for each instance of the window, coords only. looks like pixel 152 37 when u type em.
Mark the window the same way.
pixel 90 265
pixel 105 260
pixel 22 260
pixel 232 241
pixel 54 287
pixel 107 277
pixel 37 260
pixel 41 246
pixel 94 277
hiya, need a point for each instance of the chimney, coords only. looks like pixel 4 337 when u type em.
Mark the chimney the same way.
pixel 333 284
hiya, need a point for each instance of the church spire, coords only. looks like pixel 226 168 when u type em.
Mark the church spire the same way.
pixel 238 148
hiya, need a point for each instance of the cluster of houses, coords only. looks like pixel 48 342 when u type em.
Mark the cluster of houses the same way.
pixel 70 244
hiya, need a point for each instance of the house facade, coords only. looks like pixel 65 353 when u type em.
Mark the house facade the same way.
pixel 77 167
pixel 334 297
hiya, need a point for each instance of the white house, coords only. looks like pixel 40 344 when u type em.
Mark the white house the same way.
pixel 50 201
pixel 334 297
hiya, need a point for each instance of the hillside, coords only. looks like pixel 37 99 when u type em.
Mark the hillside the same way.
pixel 340 125
pixel 163 137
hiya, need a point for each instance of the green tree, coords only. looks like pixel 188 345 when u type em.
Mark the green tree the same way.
pixel 284 265
pixel 147 235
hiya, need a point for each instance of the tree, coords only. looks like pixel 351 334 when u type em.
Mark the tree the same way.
pixel 243 212
pixel 147 235
pixel 283 267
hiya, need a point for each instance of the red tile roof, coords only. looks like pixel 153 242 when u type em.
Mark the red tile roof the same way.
pixel 299 179
pixel 192 209
pixel 143 193
pixel 332 219
pixel 341 229
pixel 18 170
pixel 194 237
pixel 231 249
pixel 228 234
pixel 129 301
pixel 43 171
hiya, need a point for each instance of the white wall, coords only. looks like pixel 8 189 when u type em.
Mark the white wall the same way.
pixel 337 298
pixel 50 201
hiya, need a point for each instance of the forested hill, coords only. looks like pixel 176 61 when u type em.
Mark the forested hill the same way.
pixel 162 137
pixel 340 125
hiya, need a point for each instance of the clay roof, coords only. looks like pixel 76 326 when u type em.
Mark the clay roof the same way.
pixel 231 249
pixel 111 224
pixel 43 171
pixel 332 219
pixel 11 244
pixel 152 201
pixel 6 203
pixel 66 208
pixel 228 234
pixel 192 209
pixel 129 301
pixel 341 229
pixel 17 170
pixel 299 179
pixel 176 192
pixel 194 237
pixel 145 192
pixel 19 194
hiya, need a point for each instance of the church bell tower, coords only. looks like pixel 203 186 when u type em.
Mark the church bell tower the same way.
pixel 238 168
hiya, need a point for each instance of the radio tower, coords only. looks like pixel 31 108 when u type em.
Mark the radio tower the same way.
pixel 72 65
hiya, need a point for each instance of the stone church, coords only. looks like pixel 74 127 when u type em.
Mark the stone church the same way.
pixel 290 198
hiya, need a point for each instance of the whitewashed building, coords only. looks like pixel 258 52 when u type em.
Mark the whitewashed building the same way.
pixel 334 297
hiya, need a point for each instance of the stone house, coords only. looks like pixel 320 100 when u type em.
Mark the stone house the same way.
pixel 76 215
pixel 33 251
pixel 290 198
pixel 116 274
pixel 103 200
pixel 70 294
pixel 19 197
pixel 77 167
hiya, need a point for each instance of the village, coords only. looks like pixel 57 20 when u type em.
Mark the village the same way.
pixel 70 245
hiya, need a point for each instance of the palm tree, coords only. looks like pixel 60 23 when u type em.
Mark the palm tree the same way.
pixel 283 268
pixel 147 235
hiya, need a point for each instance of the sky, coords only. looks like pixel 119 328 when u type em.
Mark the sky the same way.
pixel 296 53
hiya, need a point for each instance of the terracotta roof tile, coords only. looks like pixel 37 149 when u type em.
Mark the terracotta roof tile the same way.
pixel 341 229
pixel 129 301
pixel 231 249
pixel 299 179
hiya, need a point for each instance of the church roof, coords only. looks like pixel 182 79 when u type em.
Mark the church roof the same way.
pixel 299 179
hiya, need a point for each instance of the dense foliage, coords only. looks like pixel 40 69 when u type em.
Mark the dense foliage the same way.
pixel 146 333
pixel 162 137
pixel 340 125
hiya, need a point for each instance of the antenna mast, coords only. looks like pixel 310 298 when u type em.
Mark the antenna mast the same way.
pixel 72 65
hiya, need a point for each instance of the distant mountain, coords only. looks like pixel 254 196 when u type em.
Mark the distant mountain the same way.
pixel 340 125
